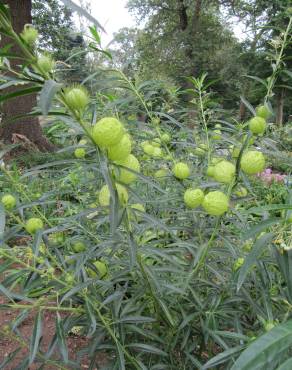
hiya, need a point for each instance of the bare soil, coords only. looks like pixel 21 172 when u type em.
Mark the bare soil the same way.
pixel 8 345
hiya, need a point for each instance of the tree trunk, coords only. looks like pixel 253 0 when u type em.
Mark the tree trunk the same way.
pixel 242 111
pixel 280 107
pixel 26 126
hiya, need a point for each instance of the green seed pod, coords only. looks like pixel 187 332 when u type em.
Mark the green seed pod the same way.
pixel 45 63
pixel 107 132
pixel 29 34
pixel 252 162
pixel 193 197
pixel 80 153
pixel 181 170
pixel 215 203
pixel 76 98
pixel 257 125
pixel 33 225
pixel 263 111
pixel 8 201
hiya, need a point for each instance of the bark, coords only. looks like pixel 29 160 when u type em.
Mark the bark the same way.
pixel 242 111
pixel 183 17
pixel 280 106
pixel 28 127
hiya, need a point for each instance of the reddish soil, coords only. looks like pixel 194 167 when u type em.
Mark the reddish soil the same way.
pixel 8 345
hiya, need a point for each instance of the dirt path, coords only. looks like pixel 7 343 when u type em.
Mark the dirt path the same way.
pixel 8 345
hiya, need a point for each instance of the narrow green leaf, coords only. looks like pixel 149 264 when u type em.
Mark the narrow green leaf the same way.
pixel 13 296
pixel 18 93
pixel 223 357
pixel 287 365
pixel 135 320
pixel 258 228
pixel 273 207
pixel 121 357
pixel 266 348
pixel 36 337
pixel 261 81
pixel 7 360
pixel 250 260
pixel 248 105
pixel 47 95
pixel 90 312
pixel 61 338
pixel 147 348
pixel 95 34
pixel 77 288
pixel 166 312
pixel 2 222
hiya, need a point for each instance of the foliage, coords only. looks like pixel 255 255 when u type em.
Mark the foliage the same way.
pixel 58 35
pixel 152 283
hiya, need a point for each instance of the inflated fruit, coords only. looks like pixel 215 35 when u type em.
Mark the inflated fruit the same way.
pixel 29 34
pixel 156 142
pixel 104 195
pixel 215 203
pixel 181 170
pixel 101 267
pixel 193 197
pixel 80 153
pixel 138 206
pixel 33 225
pixel 45 63
pixel 107 132
pixel 238 263
pixel 210 171
pixel 79 247
pixel 241 192
pixel 121 150
pixel 165 138
pixel 235 152
pixel 161 174
pixel 200 150
pixel 257 125
pixel 132 163
pixel 76 97
pixel 252 162
pixel 216 134
pixel 148 149
pixel 157 152
pixel 224 172
pixel 263 111
pixel 8 201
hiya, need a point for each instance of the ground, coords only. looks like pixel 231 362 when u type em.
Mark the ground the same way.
pixel 7 345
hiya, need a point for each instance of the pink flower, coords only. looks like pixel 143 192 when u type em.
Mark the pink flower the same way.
pixel 268 177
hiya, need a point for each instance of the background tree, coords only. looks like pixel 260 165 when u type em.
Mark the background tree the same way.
pixel 58 34
pixel 21 105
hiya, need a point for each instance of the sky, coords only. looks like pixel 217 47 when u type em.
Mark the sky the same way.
pixel 113 15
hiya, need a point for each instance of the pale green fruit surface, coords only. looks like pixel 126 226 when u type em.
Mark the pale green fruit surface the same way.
pixel 193 197
pixel 224 172
pixel 33 225
pixel 181 170
pixel 121 150
pixel 104 195
pixel 107 132
pixel 252 162
pixel 215 203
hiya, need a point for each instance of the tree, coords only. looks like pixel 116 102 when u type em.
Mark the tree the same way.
pixel 58 35
pixel 265 20
pixel 187 38
pixel 11 124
